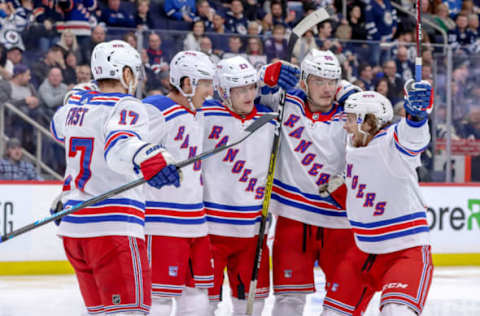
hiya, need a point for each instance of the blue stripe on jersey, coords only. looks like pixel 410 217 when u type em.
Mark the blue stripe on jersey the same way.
pixel 183 221
pixel 234 221
pixel 54 132
pixel 155 204
pixel 233 207
pixel 390 221
pixel 121 201
pixel 161 102
pixel 103 218
pixel 174 115
pixel 416 230
pixel 307 207
pixel 217 114
pixel 307 195
pixel 113 144
pixel 404 150
pixel 121 130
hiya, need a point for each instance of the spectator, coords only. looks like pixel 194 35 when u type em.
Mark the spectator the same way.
pixel 277 16
pixel 83 73
pixel 98 36
pixel 394 81
pixel 79 17
pixel 13 166
pixel 461 37
pixel 236 21
pixel 473 24
pixel 207 48
pixel 234 47
pixel 469 127
pixel 219 40
pixel 404 64
pixel 358 25
pixel 116 17
pixel 68 41
pixel 20 93
pixel 15 54
pixel 382 87
pixel 454 7
pixel 304 45
pixel 52 91
pixel 205 14
pixel 254 10
pixel 131 39
pixel 43 30
pixel 6 66
pixel 255 53
pixel 253 28
pixel 180 10
pixel 325 31
pixel 192 41
pixel 53 58
pixel 442 19
pixel 276 47
pixel 143 18
pixel 359 83
pixel 156 57
pixel 69 73
pixel 381 25
pixel 365 75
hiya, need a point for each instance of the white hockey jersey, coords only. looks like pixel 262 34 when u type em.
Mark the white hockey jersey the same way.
pixel 312 149
pixel 384 204
pixel 173 211
pixel 101 132
pixel 235 179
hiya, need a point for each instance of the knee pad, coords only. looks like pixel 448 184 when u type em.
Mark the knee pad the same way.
pixel 161 306
pixel 287 305
pixel 240 307
pixel 394 309
pixel 193 302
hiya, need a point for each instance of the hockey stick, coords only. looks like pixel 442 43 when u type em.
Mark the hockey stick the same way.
pixel 303 26
pixel 252 128
pixel 418 59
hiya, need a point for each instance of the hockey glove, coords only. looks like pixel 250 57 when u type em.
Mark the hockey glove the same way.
pixel 152 161
pixel 344 90
pixel 56 207
pixel 418 100
pixel 283 74
pixel 336 189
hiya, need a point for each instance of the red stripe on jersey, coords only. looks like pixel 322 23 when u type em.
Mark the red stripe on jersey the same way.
pixel 110 210
pixel 164 212
pixel 389 229
pixel 104 99
pixel 242 215
pixel 115 136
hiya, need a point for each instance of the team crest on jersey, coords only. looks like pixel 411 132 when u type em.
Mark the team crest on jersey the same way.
pixel 287 273
pixel 173 271
pixel 388 18
pixel 116 299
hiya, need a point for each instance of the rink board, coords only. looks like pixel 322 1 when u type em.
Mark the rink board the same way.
pixel 453 214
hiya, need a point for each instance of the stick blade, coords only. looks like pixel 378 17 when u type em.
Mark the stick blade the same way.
pixel 310 21
pixel 264 119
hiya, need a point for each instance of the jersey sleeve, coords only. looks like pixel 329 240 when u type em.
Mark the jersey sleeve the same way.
pixel 272 100
pixel 411 138
pixel 125 132
pixel 57 124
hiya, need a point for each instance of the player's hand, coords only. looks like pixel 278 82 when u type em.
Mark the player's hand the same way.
pixel 418 99
pixel 282 74
pixel 167 176
pixel 344 90
pixel 151 160
pixel 56 207
pixel 336 189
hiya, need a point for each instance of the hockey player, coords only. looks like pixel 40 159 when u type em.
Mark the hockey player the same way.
pixel 235 180
pixel 104 132
pixel 385 207
pixel 309 227
pixel 176 228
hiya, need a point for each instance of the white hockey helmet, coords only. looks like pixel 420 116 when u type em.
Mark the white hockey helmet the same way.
pixel 110 58
pixel 84 86
pixel 193 65
pixel 321 63
pixel 370 102
pixel 234 72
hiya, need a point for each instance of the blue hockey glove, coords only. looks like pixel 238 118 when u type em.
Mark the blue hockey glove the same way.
pixel 418 99
pixel 283 74
pixel 168 175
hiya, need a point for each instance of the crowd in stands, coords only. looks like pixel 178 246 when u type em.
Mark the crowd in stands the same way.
pixel 45 47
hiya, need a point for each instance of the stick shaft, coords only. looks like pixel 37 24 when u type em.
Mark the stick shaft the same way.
pixel 418 59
